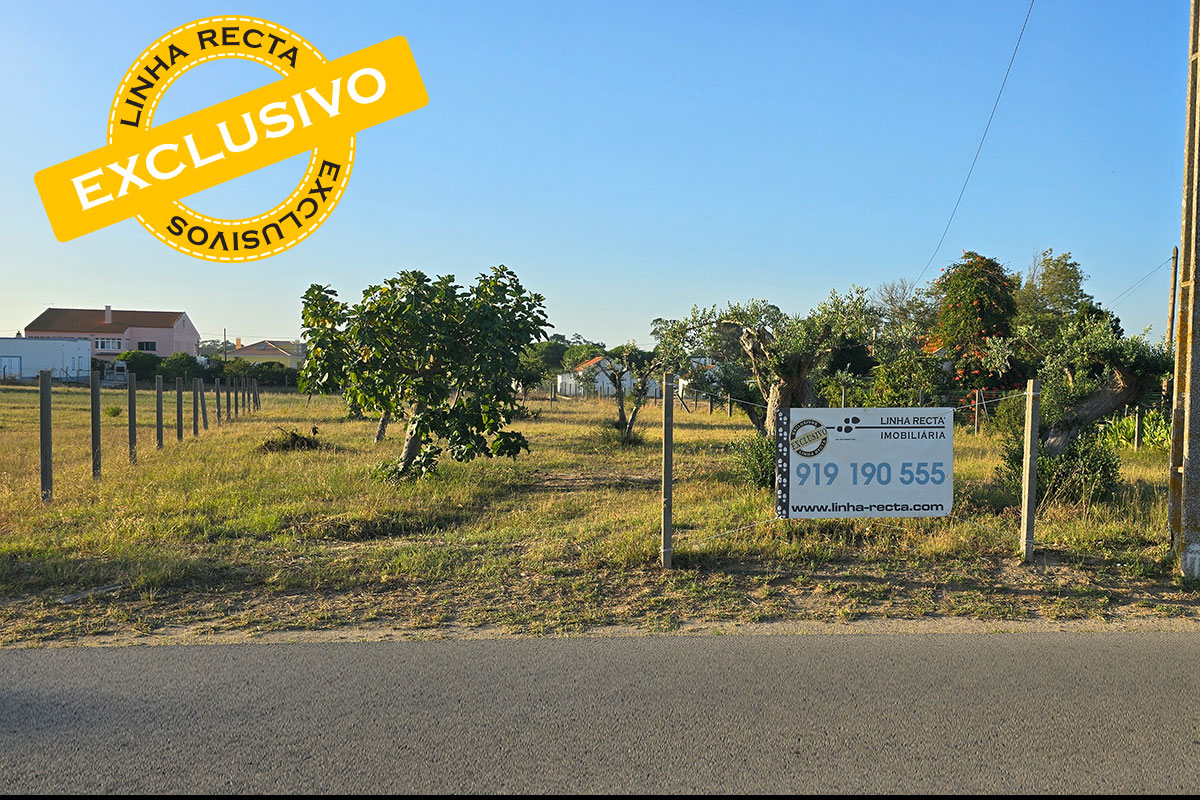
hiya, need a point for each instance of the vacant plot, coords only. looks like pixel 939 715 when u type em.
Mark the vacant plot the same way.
pixel 221 532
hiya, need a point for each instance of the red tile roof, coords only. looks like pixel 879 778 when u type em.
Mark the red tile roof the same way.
pixel 589 363
pixel 91 320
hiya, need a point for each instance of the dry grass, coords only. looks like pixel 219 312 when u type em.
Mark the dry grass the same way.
pixel 217 532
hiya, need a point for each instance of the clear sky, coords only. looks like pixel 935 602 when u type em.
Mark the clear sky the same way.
pixel 631 160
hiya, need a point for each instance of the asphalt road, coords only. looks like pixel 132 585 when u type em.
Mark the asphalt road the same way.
pixel 1057 712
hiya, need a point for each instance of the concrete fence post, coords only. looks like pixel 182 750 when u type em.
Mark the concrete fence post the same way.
pixel 131 384
pixel 46 434
pixel 203 405
pixel 1029 470
pixel 667 470
pixel 179 409
pixel 158 412
pixel 95 425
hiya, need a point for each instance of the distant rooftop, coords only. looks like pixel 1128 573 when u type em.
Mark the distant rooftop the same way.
pixel 91 320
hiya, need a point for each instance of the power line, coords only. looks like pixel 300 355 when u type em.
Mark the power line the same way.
pixel 980 148
pixel 1125 295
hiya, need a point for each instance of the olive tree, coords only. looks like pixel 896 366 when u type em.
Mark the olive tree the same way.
pixel 438 356
pixel 783 353
pixel 628 362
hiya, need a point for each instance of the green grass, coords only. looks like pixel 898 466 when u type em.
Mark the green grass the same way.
pixel 214 532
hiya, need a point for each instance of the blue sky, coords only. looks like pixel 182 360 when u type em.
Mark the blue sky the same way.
pixel 631 160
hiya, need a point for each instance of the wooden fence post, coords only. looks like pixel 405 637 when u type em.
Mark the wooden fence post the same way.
pixel 158 412
pixel 131 383
pixel 228 413
pixel 978 407
pixel 237 399
pixel 257 397
pixel 1029 470
pixel 179 408
pixel 95 425
pixel 46 433
pixel 1137 427
pixel 668 470
pixel 203 405
pixel 730 399
pixel 217 391
pixel 195 407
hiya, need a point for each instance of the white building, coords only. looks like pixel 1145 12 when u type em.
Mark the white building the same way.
pixel 67 359
pixel 572 384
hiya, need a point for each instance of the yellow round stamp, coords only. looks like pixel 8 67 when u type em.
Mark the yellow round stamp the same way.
pixel 316 105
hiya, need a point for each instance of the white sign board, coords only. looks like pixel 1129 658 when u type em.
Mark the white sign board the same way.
pixel 864 462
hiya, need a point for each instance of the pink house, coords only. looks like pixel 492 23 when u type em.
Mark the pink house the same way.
pixel 113 332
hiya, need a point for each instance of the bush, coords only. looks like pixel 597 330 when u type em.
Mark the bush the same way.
pixel 609 434
pixel 754 460
pixel 1089 469
pixel 140 362
pixel 112 411
pixel 1156 431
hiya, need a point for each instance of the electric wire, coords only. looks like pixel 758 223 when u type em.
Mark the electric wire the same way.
pixel 978 149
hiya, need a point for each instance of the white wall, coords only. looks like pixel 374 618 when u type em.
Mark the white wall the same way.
pixel 67 359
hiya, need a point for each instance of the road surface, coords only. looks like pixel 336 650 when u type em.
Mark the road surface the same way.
pixel 1046 712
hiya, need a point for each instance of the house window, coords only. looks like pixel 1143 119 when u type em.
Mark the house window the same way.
pixel 108 345
pixel 148 346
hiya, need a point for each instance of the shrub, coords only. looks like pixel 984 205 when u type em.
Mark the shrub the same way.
pixel 609 434
pixel 754 460
pixel 286 440
pixel 1156 431
pixel 140 362
pixel 112 411
pixel 1089 469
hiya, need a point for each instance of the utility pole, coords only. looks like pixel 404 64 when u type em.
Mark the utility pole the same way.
pixel 1183 481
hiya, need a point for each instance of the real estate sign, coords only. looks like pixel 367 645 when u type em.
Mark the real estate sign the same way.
pixel 864 462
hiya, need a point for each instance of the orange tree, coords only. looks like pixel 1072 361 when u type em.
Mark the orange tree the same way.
pixel 977 302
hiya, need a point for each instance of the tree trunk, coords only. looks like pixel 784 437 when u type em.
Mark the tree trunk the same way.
pixel 757 418
pixel 1099 404
pixel 381 431
pixel 412 446
pixel 794 393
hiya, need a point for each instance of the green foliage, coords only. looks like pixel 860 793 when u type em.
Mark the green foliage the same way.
pixel 638 366
pixel 179 365
pixel 754 461
pixel 1118 432
pixel 787 355
pixel 550 353
pixel 140 362
pixel 1051 292
pixel 1083 357
pixel 438 356
pixel 112 411
pixel 579 352
pixel 976 304
pixel 1089 469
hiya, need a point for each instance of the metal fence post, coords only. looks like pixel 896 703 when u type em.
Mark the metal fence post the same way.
pixel 1029 470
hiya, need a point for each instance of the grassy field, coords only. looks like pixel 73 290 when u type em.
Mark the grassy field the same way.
pixel 215 533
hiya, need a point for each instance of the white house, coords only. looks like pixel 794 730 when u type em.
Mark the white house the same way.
pixel 67 359
pixel 572 383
